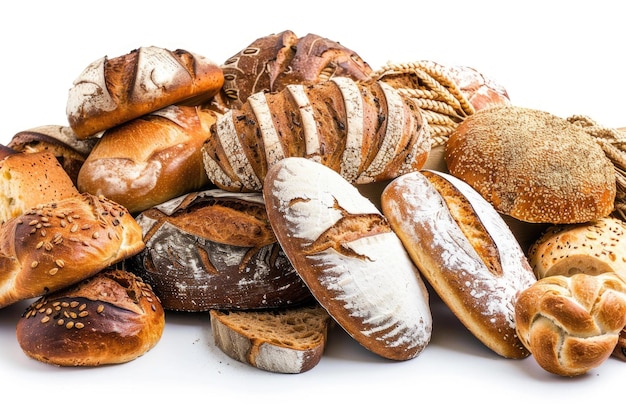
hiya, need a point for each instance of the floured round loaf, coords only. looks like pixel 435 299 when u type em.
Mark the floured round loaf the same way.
pixel 345 251
pixel 215 249
pixel 466 252
pixel 527 164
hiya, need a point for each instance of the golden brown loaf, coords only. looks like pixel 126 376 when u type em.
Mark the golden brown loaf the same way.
pixel 215 249
pixel 351 260
pixel 24 185
pixel 58 244
pixel 465 250
pixel 110 318
pixel 151 159
pixel 60 141
pixel 366 132
pixel 112 91
pixel 481 91
pixel 526 163
pixel 572 324
pixel 590 248
pixel 272 62
pixel 288 340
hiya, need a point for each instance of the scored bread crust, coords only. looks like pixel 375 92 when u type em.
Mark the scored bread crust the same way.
pixel 60 243
pixel 525 162
pixel 110 318
pixel 353 263
pixel 288 340
pixel 112 91
pixel 215 249
pixel 572 324
pixel 365 131
pixel 465 250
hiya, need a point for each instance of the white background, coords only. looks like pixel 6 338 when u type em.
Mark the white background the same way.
pixel 564 58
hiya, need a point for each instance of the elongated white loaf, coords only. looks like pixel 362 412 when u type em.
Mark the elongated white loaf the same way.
pixel 466 252
pixel 353 263
pixel 365 131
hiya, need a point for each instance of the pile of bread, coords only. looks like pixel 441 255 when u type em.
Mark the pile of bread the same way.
pixel 293 188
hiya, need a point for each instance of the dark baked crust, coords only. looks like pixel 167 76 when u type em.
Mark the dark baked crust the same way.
pixel 110 318
pixel 215 250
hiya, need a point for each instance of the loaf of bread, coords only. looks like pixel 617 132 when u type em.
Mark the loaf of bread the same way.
pixel 572 324
pixel 365 131
pixel 289 340
pixel 112 91
pixel 272 62
pixel 215 249
pixel 110 318
pixel 150 159
pixel 55 245
pixel 351 260
pixel 30 179
pixel 481 91
pixel 526 163
pixel 60 141
pixel 465 250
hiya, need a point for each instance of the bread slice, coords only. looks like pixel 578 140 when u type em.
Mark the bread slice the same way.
pixel 289 341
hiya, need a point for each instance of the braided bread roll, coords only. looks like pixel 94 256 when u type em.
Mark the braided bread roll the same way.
pixel 365 131
pixel 572 324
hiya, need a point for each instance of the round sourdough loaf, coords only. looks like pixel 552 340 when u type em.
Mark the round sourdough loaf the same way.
pixel 110 318
pixel 528 164
pixel 465 250
pixel 112 91
pixel 353 263
pixel 572 324
pixel 215 249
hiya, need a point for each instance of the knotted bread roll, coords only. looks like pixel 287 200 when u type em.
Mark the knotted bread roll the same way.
pixel 572 324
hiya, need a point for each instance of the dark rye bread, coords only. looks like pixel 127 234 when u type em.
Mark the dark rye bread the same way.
pixel 527 164
pixel 215 249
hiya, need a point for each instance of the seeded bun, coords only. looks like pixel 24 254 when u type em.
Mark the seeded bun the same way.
pixel 110 318
pixel 527 164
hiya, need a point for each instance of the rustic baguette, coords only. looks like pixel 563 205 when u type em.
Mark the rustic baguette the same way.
pixel 465 250
pixel 365 131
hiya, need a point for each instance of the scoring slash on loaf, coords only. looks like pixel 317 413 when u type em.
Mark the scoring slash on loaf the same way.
pixel 112 317
pixel 465 250
pixel 60 243
pixel 215 249
pixel 526 163
pixel 275 61
pixel 353 263
pixel 571 324
pixel 110 92
pixel 365 131
pixel 288 341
